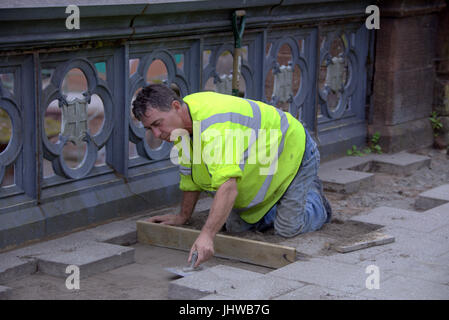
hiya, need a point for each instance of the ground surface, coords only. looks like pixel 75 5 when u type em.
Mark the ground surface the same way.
pixel 147 279
pixel 388 190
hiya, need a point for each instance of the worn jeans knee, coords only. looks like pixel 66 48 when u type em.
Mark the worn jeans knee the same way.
pixel 300 209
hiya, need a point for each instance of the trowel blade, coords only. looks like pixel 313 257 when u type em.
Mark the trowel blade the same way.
pixel 184 271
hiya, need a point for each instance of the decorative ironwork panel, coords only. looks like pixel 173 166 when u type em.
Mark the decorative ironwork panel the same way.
pixel 341 72
pixel 74 118
pixel 217 66
pixel 289 72
pixel 10 109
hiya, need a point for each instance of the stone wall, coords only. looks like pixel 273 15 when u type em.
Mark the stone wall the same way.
pixel 404 73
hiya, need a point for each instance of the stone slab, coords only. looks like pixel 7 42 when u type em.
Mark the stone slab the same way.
pixel 209 281
pixel 5 293
pixel 401 163
pixel 442 232
pixel 356 257
pixel 412 220
pixel 313 292
pixel 441 192
pixel 345 181
pixel 410 265
pixel 77 239
pixel 13 267
pixel 122 233
pixel 204 204
pixel 267 287
pixel 359 242
pixel 91 258
pixel 406 288
pixel 333 275
pixel 433 198
pixel 419 244
pixel 348 163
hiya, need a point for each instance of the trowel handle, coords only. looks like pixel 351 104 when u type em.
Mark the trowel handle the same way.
pixel 194 258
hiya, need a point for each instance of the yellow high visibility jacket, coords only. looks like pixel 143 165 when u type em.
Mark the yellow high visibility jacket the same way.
pixel 255 143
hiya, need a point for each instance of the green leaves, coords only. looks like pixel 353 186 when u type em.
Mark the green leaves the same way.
pixel 436 123
pixel 374 147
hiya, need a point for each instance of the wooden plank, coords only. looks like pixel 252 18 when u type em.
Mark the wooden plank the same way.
pixel 245 250
pixel 363 241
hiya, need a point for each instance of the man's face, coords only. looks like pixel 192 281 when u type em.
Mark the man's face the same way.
pixel 162 123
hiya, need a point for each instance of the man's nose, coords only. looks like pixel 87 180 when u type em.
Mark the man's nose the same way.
pixel 156 132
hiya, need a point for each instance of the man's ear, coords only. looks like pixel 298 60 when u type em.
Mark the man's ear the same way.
pixel 176 105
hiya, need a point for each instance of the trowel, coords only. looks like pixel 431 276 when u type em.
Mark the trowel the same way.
pixel 186 271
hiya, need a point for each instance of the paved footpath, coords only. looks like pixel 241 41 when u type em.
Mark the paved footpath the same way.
pixel 113 265
pixel 414 266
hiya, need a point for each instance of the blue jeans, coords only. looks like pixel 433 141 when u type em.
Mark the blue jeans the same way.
pixel 300 209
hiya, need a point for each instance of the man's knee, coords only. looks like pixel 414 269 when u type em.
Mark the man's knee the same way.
pixel 288 230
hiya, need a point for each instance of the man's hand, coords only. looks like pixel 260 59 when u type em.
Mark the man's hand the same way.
pixel 221 207
pixel 170 219
pixel 204 245
pixel 189 199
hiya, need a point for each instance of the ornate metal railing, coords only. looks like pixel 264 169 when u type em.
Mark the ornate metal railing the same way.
pixel 73 155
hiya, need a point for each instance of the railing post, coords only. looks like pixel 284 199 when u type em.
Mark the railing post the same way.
pixel 193 66
pixel 28 167
pixel 117 151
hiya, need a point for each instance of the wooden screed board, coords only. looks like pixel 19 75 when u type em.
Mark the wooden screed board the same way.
pixel 245 250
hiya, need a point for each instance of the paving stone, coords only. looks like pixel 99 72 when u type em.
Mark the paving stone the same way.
pixel 420 244
pixel 406 288
pixel 333 275
pixel 204 204
pixel 122 232
pixel 5 293
pixel 371 239
pixel 351 163
pixel 264 288
pixel 77 239
pixel 209 281
pixel 311 244
pixel 356 257
pixel 345 181
pixel 401 163
pixel 424 203
pixel 91 258
pixel 442 260
pixel 433 198
pixel 412 220
pixel 13 267
pixel 410 265
pixel 313 292
pixel 441 213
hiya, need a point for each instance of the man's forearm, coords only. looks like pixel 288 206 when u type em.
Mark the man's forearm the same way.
pixel 189 200
pixel 221 207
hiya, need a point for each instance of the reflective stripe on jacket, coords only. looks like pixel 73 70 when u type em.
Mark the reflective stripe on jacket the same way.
pixel 255 143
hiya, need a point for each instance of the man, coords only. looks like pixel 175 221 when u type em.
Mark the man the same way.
pixel 259 161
